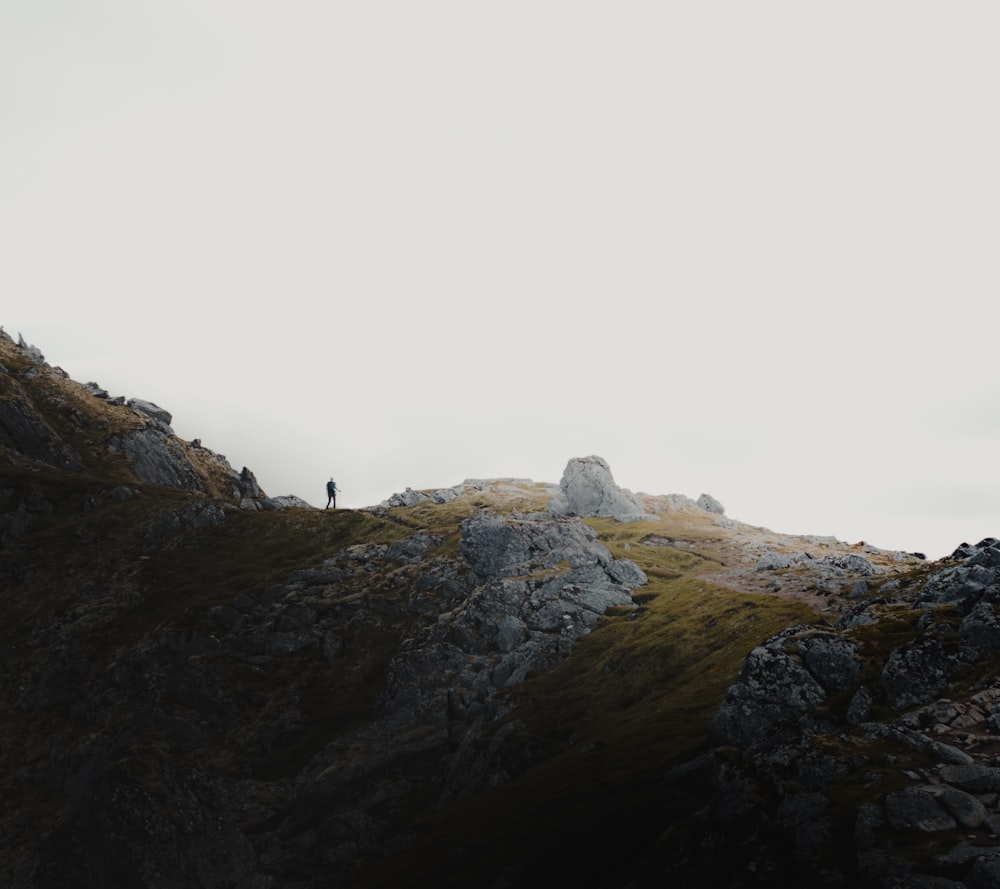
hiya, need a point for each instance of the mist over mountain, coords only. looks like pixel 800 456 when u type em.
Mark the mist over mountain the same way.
pixel 503 683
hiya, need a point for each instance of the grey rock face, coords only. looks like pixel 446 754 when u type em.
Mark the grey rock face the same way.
pixel 501 547
pixel 978 571
pixel 95 390
pixel 151 410
pixel 710 504
pixel 851 563
pixel 285 501
pixel 773 687
pixel 536 586
pixel 588 489
pixel 33 352
pixel 918 672
pixel 247 484
pixel 29 434
pixel 833 660
pixel 772 561
pixel 157 459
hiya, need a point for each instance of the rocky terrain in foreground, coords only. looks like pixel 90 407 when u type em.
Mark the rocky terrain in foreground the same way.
pixel 504 683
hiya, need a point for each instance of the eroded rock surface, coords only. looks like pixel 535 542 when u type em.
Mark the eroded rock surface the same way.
pixel 588 489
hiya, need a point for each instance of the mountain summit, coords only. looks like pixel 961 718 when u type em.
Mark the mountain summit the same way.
pixel 503 683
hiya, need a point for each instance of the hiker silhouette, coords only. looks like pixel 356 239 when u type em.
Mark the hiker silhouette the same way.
pixel 331 493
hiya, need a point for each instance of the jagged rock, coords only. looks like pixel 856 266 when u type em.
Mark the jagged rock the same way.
pixel 832 660
pixel 772 561
pixel 154 411
pixel 498 547
pixel 445 495
pixel 413 549
pixel 852 563
pixel 509 624
pixel 248 486
pixel 919 671
pixel 95 390
pixel 858 616
pixel 978 570
pixel 710 504
pixel 157 459
pixel 772 688
pixel 409 497
pixel 33 352
pixel 588 489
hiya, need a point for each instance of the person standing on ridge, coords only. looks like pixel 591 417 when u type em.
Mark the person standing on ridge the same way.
pixel 331 493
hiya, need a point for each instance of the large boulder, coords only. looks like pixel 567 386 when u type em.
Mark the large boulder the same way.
pixel 832 659
pixel 774 687
pixel 153 411
pixel 588 489
pixel 919 671
pixel 710 504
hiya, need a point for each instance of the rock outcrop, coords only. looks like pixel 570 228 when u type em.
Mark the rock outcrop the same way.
pixel 710 504
pixel 802 715
pixel 588 489
pixel 136 429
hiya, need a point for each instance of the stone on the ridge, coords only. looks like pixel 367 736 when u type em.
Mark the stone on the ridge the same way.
pixel 34 353
pixel 154 411
pixel 710 504
pixel 588 489
pixel 285 501
pixel 772 561
pixel 96 390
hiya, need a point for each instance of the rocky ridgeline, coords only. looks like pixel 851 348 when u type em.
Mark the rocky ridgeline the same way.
pixel 281 736
pixel 134 428
pixel 822 716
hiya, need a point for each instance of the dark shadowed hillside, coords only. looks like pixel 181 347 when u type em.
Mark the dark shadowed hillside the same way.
pixel 500 684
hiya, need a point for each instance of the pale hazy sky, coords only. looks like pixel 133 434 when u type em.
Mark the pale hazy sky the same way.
pixel 748 249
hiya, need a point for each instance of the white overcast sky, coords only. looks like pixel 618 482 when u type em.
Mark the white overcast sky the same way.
pixel 748 249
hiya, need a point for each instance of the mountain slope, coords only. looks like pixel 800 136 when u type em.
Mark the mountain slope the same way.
pixel 502 683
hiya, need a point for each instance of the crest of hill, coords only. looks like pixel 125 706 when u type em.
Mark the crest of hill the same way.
pixel 54 429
